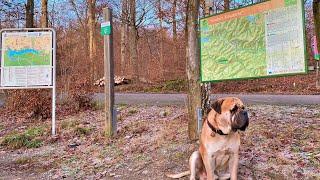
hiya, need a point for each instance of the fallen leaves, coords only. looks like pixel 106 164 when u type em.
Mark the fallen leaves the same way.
pixel 281 142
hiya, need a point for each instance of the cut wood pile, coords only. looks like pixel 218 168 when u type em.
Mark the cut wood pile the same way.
pixel 118 80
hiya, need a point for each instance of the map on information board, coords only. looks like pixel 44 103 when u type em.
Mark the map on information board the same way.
pixel 26 58
pixel 266 39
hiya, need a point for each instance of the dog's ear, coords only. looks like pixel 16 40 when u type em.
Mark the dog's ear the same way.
pixel 216 105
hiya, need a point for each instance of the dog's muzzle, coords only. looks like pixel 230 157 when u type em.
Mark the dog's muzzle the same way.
pixel 246 121
pixel 241 120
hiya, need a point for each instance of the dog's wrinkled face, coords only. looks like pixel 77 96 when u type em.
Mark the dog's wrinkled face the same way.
pixel 231 112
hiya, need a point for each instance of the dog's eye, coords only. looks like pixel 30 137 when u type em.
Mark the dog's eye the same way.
pixel 234 109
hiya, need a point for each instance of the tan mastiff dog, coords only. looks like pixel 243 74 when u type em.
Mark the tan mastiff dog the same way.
pixel 218 154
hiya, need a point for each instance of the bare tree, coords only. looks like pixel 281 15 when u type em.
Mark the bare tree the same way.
pixel 192 66
pixel 160 17
pixel 44 14
pixel 124 36
pixel 174 20
pixel 174 32
pixel 226 5
pixel 81 18
pixel 30 14
pixel 205 87
pixel 133 45
pixel 92 40
pixel 316 16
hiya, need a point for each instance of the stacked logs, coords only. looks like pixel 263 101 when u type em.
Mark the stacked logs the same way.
pixel 118 80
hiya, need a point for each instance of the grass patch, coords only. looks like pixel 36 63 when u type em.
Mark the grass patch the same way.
pixel 317 115
pixel 1 127
pixel 177 85
pixel 68 124
pixel 29 139
pixel 23 160
pixel 179 155
pixel 111 150
pixel 121 106
pixel 142 157
pixel 80 131
pixel 72 159
pixel 132 111
pixel 97 105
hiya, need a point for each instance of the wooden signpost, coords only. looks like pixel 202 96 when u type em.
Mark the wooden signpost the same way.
pixel 106 31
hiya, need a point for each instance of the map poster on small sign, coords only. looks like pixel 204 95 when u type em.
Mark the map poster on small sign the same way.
pixel 315 48
pixel 26 59
pixel 263 40
pixel 106 28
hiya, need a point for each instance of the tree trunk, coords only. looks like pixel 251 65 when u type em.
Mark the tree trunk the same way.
pixel 174 20
pixel 226 5
pixel 92 42
pixel 44 14
pixel 208 7
pixel 174 34
pixel 133 40
pixel 316 15
pixel 205 87
pixel 29 14
pixel 124 32
pixel 160 16
pixel 192 62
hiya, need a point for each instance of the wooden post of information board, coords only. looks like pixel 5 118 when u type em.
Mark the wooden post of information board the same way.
pixel 106 31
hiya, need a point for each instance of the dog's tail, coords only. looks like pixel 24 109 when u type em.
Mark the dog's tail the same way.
pixel 180 175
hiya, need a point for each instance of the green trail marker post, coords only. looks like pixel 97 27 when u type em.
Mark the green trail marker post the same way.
pixel 110 112
pixel 106 28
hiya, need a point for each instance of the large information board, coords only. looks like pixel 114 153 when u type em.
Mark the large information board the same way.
pixel 26 59
pixel 262 40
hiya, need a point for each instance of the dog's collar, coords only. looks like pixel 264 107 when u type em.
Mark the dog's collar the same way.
pixel 215 130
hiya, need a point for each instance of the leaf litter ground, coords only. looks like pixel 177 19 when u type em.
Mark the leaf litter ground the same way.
pixel 282 142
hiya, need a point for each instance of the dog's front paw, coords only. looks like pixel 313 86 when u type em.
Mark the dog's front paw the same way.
pixel 225 176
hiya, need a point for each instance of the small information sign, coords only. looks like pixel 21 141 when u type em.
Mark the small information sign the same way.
pixel 315 49
pixel 106 28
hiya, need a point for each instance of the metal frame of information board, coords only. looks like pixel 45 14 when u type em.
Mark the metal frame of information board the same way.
pixel 53 66
pixel 258 77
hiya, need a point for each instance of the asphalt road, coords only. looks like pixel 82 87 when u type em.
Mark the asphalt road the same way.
pixel 181 99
